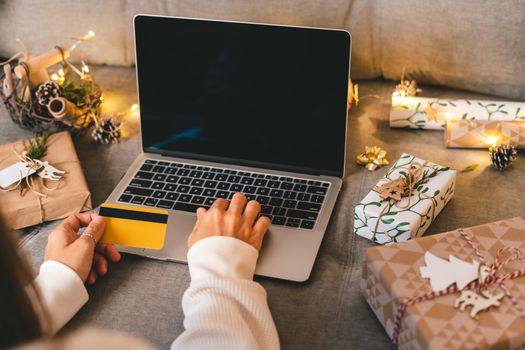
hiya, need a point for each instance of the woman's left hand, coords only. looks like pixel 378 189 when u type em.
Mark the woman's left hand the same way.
pixel 81 253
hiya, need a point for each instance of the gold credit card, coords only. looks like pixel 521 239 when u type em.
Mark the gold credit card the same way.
pixel 133 226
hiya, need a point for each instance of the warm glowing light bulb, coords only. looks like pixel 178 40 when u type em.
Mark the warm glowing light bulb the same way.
pixel 61 72
pixel 91 33
pixel 101 98
pixel 134 107
pixel 54 76
pixel 492 140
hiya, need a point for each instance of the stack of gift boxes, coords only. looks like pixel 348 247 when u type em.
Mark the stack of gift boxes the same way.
pixel 463 289
pixel 467 123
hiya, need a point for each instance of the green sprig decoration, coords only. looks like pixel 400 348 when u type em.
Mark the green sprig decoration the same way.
pixel 425 177
pixel 84 93
pixel 428 174
pixel 469 168
pixel 74 91
pixel 36 148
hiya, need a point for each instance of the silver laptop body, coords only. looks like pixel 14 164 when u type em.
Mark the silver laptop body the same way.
pixel 288 252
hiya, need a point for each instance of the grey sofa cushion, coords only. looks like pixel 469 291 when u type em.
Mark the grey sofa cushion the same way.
pixel 473 45
pixel 468 44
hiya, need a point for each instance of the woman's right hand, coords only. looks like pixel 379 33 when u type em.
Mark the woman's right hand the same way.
pixel 237 219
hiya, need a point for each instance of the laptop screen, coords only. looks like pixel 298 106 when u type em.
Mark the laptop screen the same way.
pixel 250 94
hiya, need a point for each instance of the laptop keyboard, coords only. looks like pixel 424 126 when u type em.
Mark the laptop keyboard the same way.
pixel 287 201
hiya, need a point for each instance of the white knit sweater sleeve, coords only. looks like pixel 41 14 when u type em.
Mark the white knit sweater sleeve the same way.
pixel 224 307
pixel 62 291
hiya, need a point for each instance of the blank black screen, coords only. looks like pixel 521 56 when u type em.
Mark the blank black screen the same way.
pixel 245 93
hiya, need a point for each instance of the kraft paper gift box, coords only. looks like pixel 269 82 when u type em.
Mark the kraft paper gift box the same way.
pixel 71 196
pixel 484 133
pixel 387 221
pixel 432 113
pixel 392 274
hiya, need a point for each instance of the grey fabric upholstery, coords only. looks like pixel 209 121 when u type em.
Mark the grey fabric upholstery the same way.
pixel 142 296
pixel 468 44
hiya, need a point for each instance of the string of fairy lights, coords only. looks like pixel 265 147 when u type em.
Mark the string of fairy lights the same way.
pixel 83 72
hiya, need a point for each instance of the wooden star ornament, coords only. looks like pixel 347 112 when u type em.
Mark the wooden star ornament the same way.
pixel 392 189
pixel 433 114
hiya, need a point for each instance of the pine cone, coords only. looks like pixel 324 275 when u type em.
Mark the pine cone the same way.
pixel 48 90
pixel 502 156
pixel 108 131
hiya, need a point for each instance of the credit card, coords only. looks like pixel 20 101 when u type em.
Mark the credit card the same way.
pixel 134 226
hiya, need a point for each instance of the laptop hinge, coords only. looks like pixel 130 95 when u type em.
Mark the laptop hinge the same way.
pixel 260 166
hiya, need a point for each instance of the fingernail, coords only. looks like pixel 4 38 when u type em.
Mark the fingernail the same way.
pixel 98 219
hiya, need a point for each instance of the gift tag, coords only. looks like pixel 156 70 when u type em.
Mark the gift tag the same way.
pixel 12 174
pixel 442 273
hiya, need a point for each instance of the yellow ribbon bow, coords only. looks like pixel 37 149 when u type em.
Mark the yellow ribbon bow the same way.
pixel 373 158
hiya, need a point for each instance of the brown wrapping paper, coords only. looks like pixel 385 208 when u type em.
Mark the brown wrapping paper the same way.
pixel 71 196
pixel 484 133
pixel 391 273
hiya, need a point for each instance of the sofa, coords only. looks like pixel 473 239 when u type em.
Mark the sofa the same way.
pixel 472 45
pixel 457 49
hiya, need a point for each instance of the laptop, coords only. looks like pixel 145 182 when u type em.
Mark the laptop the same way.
pixel 231 107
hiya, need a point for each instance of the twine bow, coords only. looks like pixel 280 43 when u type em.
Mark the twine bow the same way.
pixel 36 165
pixel 493 277
pixel 396 189
pixel 31 164
pixel 403 186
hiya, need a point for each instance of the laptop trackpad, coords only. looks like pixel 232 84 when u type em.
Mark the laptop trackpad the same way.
pixel 175 247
